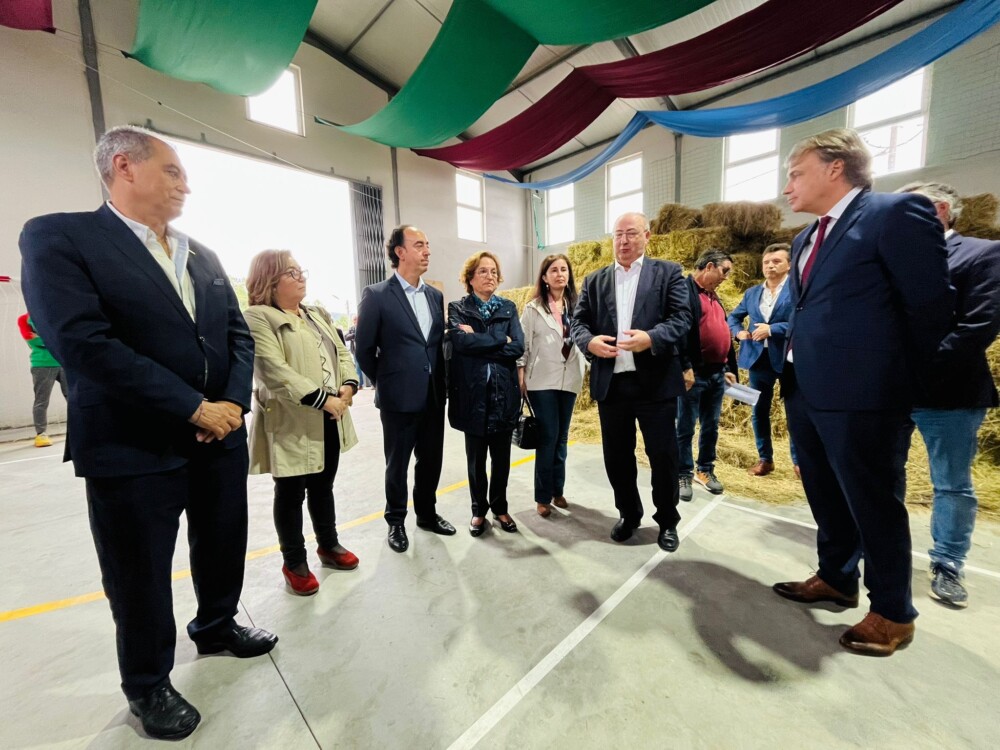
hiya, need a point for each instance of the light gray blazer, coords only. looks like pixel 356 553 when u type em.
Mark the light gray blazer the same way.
pixel 544 367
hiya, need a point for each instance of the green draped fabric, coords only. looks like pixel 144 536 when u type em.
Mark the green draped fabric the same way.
pixel 235 46
pixel 484 44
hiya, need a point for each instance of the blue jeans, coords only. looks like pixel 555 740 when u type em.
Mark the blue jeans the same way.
pixel 703 404
pixel 763 377
pixel 554 410
pixel 950 436
pixel 361 375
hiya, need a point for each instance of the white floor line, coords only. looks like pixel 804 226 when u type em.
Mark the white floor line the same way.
pixel 921 555
pixel 33 458
pixel 471 737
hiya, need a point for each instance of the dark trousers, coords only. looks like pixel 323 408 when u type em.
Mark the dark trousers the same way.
pixel 763 377
pixel 701 404
pixel 491 495
pixel 554 411
pixel 289 493
pixel 135 521
pixel 621 409
pixel 419 434
pixel 42 380
pixel 854 473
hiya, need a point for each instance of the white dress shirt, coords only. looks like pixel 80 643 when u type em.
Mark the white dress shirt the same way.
pixel 626 284
pixel 418 301
pixel 175 265
pixel 768 300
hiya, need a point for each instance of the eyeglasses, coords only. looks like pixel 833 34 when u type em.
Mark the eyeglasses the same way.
pixel 487 272
pixel 297 274
pixel 726 271
pixel 630 235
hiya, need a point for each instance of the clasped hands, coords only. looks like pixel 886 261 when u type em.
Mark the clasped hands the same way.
pixel 216 419
pixel 605 346
pixel 335 406
pixel 761 331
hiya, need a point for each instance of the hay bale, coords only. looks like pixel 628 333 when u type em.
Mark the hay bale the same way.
pixel 746 272
pixel 587 257
pixel 743 218
pixel 685 245
pixel 784 234
pixel 979 213
pixel 520 296
pixel 674 216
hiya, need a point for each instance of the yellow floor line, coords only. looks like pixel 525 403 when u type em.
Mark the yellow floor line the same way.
pixel 39 609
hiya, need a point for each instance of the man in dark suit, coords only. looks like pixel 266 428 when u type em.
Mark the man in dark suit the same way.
pixel 872 303
pixel 762 345
pixel 159 363
pixel 399 345
pixel 959 390
pixel 628 322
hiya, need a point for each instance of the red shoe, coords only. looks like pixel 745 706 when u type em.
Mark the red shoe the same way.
pixel 301 585
pixel 340 560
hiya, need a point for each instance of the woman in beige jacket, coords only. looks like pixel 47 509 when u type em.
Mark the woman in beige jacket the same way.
pixel 305 380
pixel 551 374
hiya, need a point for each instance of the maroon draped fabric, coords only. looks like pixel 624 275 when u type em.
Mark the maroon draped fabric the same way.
pixel 31 15
pixel 773 33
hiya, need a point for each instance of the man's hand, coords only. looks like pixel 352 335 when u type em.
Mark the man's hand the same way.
pixel 761 332
pixel 730 378
pixel 688 379
pixel 743 335
pixel 346 394
pixel 602 346
pixel 638 341
pixel 215 420
pixel 335 407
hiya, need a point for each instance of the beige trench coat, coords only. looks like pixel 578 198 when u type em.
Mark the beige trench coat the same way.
pixel 543 363
pixel 286 438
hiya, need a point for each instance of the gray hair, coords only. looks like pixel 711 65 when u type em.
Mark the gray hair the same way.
pixel 938 192
pixel 135 142
pixel 640 214
pixel 715 257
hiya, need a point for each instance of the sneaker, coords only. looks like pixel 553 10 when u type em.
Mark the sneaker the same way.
pixel 708 480
pixel 685 485
pixel 946 587
pixel 42 440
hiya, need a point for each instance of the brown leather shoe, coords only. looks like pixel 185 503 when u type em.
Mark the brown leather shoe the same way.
pixel 560 502
pixel 761 469
pixel 877 636
pixel 543 510
pixel 812 591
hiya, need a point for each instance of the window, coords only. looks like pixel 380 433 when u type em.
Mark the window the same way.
pixel 752 164
pixel 560 216
pixel 281 105
pixel 624 187
pixel 469 194
pixel 893 122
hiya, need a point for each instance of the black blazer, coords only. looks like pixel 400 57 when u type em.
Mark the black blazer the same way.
pixel 136 364
pixel 392 351
pixel 960 376
pixel 690 346
pixel 661 309
pixel 876 306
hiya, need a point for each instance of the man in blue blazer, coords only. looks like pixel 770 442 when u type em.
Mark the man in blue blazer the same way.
pixel 872 302
pixel 159 364
pixel 399 342
pixel 628 322
pixel 960 390
pixel 762 345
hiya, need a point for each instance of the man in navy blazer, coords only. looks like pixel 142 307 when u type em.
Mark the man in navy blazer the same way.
pixel 762 345
pixel 399 343
pixel 628 322
pixel 159 364
pixel 960 389
pixel 872 302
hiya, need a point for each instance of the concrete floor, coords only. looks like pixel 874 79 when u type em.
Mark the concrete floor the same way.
pixel 552 638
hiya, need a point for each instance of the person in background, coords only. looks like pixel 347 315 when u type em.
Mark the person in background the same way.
pixel 550 374
pixel 302 422
pixel 708 359
pixel 960 389
pixel 484 399
pixel 349 337
pixel 45 373
pixel 762 345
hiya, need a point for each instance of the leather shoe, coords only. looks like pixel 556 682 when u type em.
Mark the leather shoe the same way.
pixel 623 530
pixel 668 539
pixel 477 529
pixel 509 526
pixel 437 525
pixel 761 469
pixel 242 642
pixel 543 510
pixel 560 502
pixel 345 560
pixel 814 590
pixel 877 636
pixel 398 542
pixel 164 714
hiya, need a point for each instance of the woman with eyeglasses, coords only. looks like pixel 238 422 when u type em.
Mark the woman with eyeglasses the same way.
pixel 550 373
pixel 305 380
pixel 483 397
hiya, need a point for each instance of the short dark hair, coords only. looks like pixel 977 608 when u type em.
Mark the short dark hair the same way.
pixel 778 247
pixel 716 257
pixel 397 238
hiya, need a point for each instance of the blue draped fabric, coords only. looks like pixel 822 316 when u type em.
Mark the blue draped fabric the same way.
pixel 954 29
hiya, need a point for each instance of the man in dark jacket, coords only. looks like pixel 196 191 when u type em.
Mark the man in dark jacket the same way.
pixel 708 359
pixel 959 392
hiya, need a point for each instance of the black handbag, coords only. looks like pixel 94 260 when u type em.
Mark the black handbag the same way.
pixel 526 432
